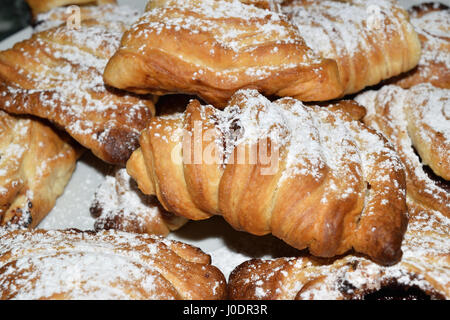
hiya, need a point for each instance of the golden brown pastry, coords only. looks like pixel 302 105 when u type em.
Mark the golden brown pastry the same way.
pixel 35 166
pixel 40 6
pixel 106 12
pixel 404 116
pixel 119 204
pixel 114 265
pixel 432 23
pixel 371 40
pixel 311 176
pixel 212 48
pixel 57 75
pixel 423 272
pixel 416 120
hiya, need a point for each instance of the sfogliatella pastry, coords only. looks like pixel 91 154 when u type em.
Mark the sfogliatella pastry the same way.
pixel 432 23
pixel 35 166
pixel 68 17
pixel 120 205
pixel 107 265
pixel 57 75
pixel 41 6
pixel 423 272
pixel 416 120
pixel 370 40
pixel 313 177
pixel 212 48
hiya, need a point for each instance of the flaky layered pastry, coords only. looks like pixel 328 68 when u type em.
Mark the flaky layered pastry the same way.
pixel 77 265
pixel 312 176
pixel 432 23
pixel 422 273
pixel 41 6
pixel 212 48
pixel 370 40
pixel 35 166
pixel 57 75
pixel 416 120
pixel 120 205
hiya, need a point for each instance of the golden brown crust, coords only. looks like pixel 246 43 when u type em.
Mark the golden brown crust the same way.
pixel 424 267
pixel 432 23
pixel 57 75
pixel 370 40
pixel 213 48
pixel 329 184
pixel 40 6
pixel 72 264
pixel 119 204
pixel 35 166
pixel 415 120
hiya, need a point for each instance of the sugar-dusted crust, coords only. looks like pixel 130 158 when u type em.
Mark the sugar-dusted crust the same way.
pixel 213 48
pixel 115 265
pixel 57 75
pixel 119 204
pixel 424 267
pixel 36 163
pixel 331 184
pixel 371 40
pixel 416 119
pixel 432 23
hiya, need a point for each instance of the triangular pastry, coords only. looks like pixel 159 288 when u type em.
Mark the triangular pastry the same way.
pixel 212 48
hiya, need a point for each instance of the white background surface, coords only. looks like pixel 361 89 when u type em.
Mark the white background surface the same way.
pixel 227 247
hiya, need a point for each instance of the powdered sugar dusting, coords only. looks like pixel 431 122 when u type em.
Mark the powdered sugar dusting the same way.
pixel 122 206
pixel 105 265
pixel 314 138
pixel 351 33
pixel 230 28
pixel 342 22
pixel 434 27
pixel 215 11
pixel 428 106
pixel 426 256
pixel 29 151
pixel 64 75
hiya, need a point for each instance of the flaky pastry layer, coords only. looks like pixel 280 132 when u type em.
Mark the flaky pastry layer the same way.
pixel 36 163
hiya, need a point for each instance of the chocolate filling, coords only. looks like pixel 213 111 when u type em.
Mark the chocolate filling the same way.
pixel 439 181
pixel 398 292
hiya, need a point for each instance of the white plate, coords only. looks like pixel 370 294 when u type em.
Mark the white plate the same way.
pixel 227 247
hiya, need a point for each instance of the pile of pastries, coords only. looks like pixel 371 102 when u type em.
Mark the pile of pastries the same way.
pixel 323 123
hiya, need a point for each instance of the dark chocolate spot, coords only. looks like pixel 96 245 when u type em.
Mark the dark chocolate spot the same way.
pixel 397 292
